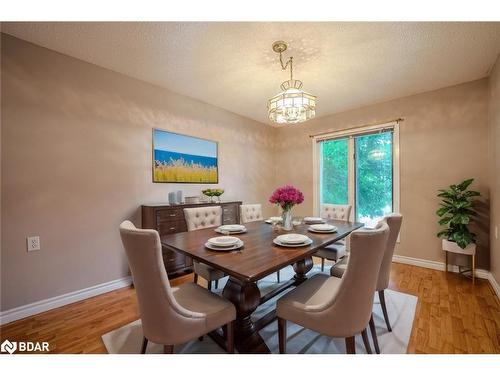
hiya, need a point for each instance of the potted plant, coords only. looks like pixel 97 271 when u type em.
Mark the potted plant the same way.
pixel 213 193
pixel 286 197
pixel 456 213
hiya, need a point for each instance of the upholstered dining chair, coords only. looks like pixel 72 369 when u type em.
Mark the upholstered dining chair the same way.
pixel 250 212
pixel 171 316
pixel 253 212
pixel 337 250
pixel 200 218
pixel 394 222
pixel 338 307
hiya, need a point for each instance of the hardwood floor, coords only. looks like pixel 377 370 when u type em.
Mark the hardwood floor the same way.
pixel 453 316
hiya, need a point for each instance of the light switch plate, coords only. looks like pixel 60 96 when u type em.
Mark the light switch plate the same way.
pixel 33 243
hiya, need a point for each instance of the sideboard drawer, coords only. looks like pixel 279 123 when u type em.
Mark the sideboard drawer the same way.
pixel 169 227
pixel 173 260
pixel 169 215
pixel 230 214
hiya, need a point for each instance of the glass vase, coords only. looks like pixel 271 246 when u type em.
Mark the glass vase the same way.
pixel 287 219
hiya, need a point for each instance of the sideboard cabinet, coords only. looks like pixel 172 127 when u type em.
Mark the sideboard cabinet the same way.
pixel 167 219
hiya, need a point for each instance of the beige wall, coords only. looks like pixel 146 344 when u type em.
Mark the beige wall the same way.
pixel 443 140
pixel 494 153
pixel 76 161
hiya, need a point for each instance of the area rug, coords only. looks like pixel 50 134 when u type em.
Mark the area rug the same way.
pixel 401 308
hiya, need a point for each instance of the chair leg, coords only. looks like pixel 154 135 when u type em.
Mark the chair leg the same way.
pixel 209 285
pixel 474 269
pixel 217 284
pixel 282 335
pixel 230 337
pixel 144 345
pixel 322 264
pixel 366 342
pixel 350 345
pixel 381 296
pixel 196 278
pixel 168 349
pixel 374 335
pixel 278 276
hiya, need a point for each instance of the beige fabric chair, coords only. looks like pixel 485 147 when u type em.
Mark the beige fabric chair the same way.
pixel 253 212
pixel 170 316
pixel 337 250
pixel 250 212
pixel 338 307
pixel 394 222
pixel 200 218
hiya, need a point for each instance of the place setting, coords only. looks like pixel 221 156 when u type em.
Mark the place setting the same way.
pixel 274 220
pixel 231 229
pixel 313 220
pixel 292 240
pixel 224 243
pixel 322 228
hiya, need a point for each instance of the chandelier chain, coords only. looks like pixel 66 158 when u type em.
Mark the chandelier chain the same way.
pixel 289 62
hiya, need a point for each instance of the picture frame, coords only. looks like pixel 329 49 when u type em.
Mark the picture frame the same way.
pixel 184 159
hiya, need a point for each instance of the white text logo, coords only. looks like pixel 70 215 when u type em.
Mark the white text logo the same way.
pixel 24 346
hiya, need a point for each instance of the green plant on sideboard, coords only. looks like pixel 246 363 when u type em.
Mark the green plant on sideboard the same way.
pixel 456 213
pixel 213 193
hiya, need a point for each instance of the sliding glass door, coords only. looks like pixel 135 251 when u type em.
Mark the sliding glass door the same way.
pixel 373 177
pixel 335 171
pixel 359 169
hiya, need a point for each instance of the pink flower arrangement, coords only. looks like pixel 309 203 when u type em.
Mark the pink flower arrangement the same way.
pixel 287 196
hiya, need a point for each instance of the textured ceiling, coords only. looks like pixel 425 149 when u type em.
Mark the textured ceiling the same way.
pixel 231 65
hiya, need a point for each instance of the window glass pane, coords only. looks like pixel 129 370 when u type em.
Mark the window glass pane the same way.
pixel 373 177
pixel 334 171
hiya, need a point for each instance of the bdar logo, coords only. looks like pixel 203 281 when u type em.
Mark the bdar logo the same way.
pixel 8 346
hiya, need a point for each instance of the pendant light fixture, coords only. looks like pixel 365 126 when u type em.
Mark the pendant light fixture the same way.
pixel 292 105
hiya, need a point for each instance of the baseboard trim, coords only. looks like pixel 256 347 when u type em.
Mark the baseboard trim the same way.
pixel 62 300
pixel 494 284
pixel 480 273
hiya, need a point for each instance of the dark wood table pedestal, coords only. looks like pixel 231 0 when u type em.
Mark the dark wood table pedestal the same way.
pixel 245 296
pixel 301 268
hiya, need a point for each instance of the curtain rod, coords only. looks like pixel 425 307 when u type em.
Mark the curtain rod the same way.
pixel 356 127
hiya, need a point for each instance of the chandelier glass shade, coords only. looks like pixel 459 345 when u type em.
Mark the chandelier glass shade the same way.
pixel 292 105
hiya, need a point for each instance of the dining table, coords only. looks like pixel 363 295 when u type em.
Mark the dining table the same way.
pixel 258 258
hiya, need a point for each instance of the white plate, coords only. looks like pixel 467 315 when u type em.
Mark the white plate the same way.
pixel 223 241
pixel 236 246
pixel 321 231
pixel 279 243
pixel 232 228
pixel 232 233
pixel 278 219
pixel 292 238
pixel 311 219
pixel 323 227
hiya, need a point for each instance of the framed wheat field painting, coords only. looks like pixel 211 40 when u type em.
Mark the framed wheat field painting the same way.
pixel 181 158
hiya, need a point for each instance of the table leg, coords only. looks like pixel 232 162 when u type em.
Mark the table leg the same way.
pixel 246 298
pixel 301 268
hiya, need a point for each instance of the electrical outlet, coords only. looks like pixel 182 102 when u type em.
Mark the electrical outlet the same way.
pixel 33 243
